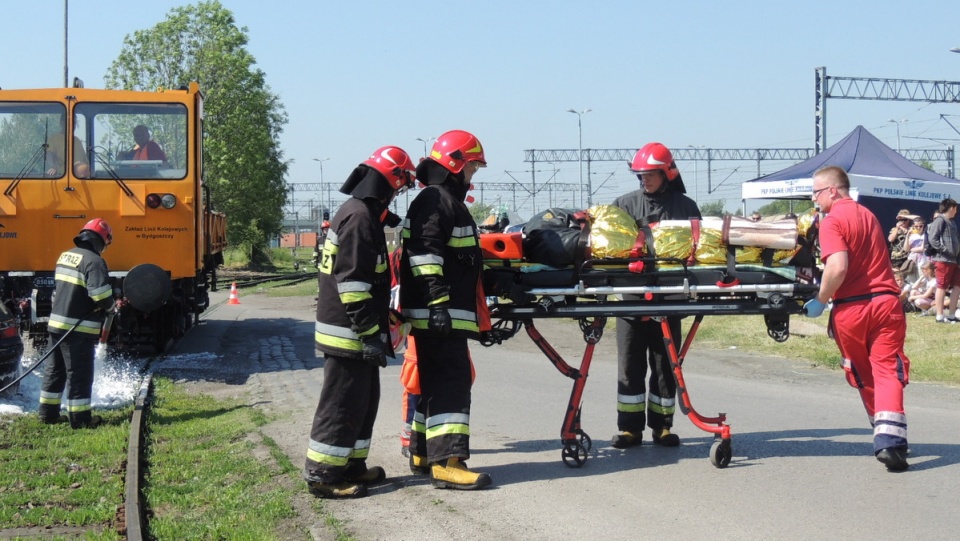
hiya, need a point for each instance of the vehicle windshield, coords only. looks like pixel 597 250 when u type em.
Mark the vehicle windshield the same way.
pixel 112 141
pixel 32 140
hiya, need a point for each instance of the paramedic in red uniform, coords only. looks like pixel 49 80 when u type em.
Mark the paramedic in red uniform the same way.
pixel 440 272
pixel 352 330
pixel 83 294
pixel 867 320
pixel 640 341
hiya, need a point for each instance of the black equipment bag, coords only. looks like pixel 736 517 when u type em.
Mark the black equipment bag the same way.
pixel 557 237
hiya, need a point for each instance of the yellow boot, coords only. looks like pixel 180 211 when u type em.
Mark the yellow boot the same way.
pixel 626 439
pixel 365 476
pixel 419 465
pixel 344 489
pixel 665 438
pixel 456 475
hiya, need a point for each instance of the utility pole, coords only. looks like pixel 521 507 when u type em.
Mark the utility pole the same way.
pixel 580 114
pixel 66 73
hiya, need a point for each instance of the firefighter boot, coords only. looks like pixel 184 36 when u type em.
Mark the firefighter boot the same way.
pixel 419 465
pixel 454 474
pixel 626 439
pixel 84 419
pixel 344 489
pixel 358 472
pixel 50 414
pixel 665 438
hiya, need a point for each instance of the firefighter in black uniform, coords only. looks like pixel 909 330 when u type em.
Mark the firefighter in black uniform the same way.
pixel 83 293
pixel 352 329
pixel 440 272
pixel 640 341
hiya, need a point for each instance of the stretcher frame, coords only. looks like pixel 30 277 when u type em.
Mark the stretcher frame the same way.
pixel 592 305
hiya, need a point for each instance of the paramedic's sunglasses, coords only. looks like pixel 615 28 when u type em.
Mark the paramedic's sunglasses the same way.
pixel 816 193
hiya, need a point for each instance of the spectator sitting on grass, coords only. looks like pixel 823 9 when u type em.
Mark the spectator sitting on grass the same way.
pixel 924 290
pixel 904 292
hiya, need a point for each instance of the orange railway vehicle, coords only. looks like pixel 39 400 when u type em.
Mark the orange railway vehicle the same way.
pixel 132 158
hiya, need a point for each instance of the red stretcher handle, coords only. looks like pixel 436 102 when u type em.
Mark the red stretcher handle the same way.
pixel 734 282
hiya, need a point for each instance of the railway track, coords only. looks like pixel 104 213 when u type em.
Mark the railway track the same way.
pixel 133 518
pixel 135 511
pixel 249 279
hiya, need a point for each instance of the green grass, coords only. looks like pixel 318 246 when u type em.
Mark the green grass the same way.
pixel 204 480
pixel 52 475
pixel 933 349
pixel 303 289
pixel 281 259
pixel 210 473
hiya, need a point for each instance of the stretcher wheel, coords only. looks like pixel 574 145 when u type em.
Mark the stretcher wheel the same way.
pixel 574 454
pixel 585 441
pixel 720 453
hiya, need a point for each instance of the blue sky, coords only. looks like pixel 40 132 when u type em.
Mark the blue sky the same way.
pixel 355 76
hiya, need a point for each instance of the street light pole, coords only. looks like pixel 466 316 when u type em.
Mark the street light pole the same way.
pixel 897 122
pixel 696 171
pixel 425 141
pixel 327 208
pixel 66 71
pixel 580 154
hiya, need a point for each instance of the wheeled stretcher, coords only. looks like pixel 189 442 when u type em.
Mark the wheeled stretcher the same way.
pixel 594 290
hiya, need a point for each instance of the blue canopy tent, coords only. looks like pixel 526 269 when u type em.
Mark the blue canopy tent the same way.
pixel 880 179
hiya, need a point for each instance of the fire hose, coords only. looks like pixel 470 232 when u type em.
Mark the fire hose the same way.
pixel 104 334
pixel 147 288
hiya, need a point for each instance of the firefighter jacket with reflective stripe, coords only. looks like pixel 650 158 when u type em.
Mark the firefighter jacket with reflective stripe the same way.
pixel 354 280
pixel 441 262
pixel 664 205
pixel 82 286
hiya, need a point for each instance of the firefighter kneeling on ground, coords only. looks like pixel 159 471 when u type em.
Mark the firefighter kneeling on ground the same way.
pixel 83 294
pixel 352 325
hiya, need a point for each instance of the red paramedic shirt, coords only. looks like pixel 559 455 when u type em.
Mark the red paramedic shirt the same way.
pixel 852 228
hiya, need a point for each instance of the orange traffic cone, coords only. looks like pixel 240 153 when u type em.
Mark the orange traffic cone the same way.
pixel 234 298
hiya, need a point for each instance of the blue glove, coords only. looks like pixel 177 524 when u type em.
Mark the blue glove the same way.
pixel 813 308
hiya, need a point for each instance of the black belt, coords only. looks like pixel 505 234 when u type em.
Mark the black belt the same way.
pixel 863 297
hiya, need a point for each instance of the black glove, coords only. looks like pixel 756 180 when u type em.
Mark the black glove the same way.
pixel 440 321
pixel 518 295
pixel 392 220
pixel 373 351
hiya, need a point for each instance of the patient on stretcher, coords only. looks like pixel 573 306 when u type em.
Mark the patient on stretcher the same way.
pixel 605 245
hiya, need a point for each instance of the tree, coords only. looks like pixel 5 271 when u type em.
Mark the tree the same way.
pixel 480 211
pixel 243 163
pixel 713 208
pixel 786 206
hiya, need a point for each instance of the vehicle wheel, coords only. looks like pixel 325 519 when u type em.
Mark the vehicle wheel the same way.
pixel 720 453
pixel 574 455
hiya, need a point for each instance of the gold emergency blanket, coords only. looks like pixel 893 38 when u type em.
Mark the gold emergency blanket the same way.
pixel 806 222
pixel 614 234
pixel 673 238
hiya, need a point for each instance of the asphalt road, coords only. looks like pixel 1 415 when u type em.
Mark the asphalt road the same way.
pixel 802 463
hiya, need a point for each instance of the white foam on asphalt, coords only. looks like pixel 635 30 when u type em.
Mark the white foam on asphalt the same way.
pixel 116 381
